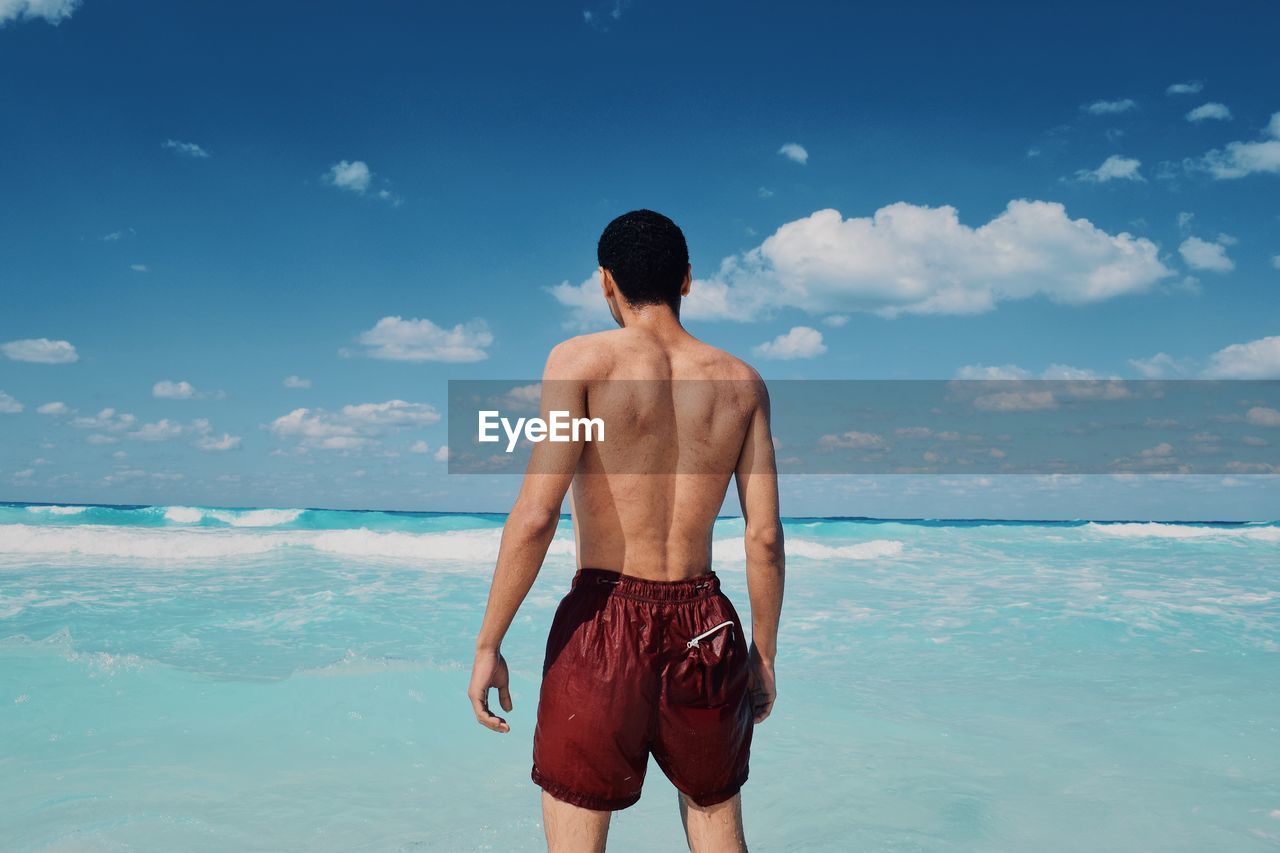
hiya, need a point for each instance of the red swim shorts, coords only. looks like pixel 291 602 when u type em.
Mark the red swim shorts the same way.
pixel 635 666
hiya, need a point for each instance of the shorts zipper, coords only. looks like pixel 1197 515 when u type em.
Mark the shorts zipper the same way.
pixel 693 644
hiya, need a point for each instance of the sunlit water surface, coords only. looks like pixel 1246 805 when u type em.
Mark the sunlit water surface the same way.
pixel 178 678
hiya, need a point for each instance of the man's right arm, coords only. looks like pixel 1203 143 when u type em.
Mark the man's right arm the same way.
pixel 757 479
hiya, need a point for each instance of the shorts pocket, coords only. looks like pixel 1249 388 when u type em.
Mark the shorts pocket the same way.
pixel 711 667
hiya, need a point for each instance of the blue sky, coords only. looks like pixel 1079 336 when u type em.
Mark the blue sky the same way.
pixel 376 200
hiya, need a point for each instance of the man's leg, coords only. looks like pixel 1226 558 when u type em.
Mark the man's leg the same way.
pixel 713 829
pixel 573 829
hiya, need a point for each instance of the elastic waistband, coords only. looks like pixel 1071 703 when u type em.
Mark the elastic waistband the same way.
pixel 631 586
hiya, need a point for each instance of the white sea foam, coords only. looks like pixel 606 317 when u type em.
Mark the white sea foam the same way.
pixel 257 517
pixel 733 550
pixel 1163 530
pixel 464 546
pixel 183 514
pixel 236 518
pixel 94 540
pixel 57 510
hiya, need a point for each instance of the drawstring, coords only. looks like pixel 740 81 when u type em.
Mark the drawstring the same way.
pixel 693 644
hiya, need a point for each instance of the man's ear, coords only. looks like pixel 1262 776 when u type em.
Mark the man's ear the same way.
pixel 688 280
pixel 606 282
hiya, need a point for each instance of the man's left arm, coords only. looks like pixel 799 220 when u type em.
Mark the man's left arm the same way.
pixel 526 535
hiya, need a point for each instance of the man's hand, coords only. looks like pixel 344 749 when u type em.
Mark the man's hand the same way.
pixel 490 670
pixel 763 688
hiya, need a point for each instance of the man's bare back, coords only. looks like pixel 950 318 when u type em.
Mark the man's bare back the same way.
pixel 676 412
pixel 646 656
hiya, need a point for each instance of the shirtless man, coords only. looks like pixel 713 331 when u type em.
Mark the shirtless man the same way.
pixel 645 653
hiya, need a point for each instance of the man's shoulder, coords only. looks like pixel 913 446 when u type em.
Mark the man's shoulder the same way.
pixel 721 364
pixel 582 355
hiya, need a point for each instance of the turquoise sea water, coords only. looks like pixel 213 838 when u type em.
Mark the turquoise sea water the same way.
pixel 179 678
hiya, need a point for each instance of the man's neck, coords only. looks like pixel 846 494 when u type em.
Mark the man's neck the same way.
pixel 658 320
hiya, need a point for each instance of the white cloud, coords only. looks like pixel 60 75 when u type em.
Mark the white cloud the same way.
pixel 441 455
pixel 1003 371
pixel 1160 365
pixel 391 413
pixel 1164 448
pixel 1099 108
pixel 1066 371
pixel 1238 159
pixel 107 419
pixel 1114 168
pixel 168 390
pixel 296 382
pixel 835 321
pixel 8 405
pixel 354 426
pixel 52 11
pixel 1016 401
pixel 1258 359
pixel 419 447
pixel 40 351
pixel 214 443
pixel 161 430
pixel 24 474
pixel 853 439
pixel 349 175
pixel 911 259
pixel 396 339
pixel 186 149
pixel 800 342
pixel 795 152
pixel 1263 416
pixel 603 14
pixel 1203 255
pixel 54 408
pixel 1191 87
pixel 764 192
pixel 1211 111
pixel 139 267
pixel 984 372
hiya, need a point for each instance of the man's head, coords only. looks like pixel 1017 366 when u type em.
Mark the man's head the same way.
pixel 647 259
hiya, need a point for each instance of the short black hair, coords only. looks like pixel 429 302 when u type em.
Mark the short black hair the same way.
pixel 647 256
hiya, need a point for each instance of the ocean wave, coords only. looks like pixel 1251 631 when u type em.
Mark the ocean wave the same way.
pixel 94 540
pixel 1165 530
pixel 57 510
pixel 168 543
pixel 479 546
pixel 235 518
pixel 734 551
pixel 183 514
pixel 257 517
pixel 466 548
